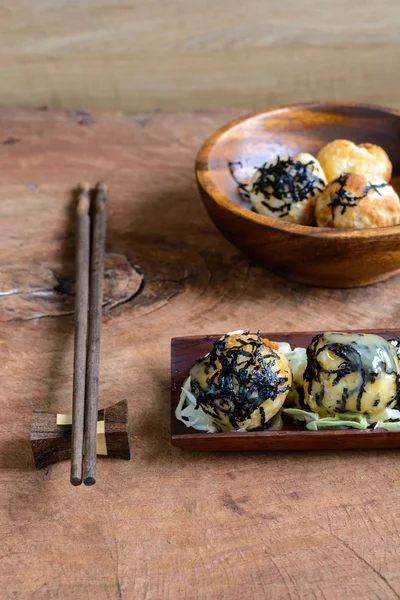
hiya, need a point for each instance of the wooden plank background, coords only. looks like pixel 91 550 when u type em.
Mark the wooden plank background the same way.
pixel 186 54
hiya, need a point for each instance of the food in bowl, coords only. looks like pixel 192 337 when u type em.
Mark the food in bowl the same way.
pixel 246 383
pixel 286 188
pixel 356 202
pixel 345 187
pixel 344 156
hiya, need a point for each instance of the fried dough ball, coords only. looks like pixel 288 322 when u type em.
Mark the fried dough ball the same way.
pixel 351 372
pixel 242 383
pixel 356 202
pixel 286 187
pixel 343 156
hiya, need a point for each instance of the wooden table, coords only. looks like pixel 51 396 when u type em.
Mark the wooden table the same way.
pixel 169 524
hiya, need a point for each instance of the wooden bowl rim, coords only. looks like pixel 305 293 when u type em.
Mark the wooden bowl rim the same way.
pixel 206 182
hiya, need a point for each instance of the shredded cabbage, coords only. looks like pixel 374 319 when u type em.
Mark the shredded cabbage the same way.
pixel 191 416
pixel 284 347
pixel 388 425
pixel 339 421
pixel 389 414
pixel 301 415
pixel 389 421
pixel 396 343
pixel 298 362
pixel 237 332
pixel 297 359
pixel 276 423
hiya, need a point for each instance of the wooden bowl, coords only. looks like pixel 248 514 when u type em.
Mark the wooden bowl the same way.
pixel 314 255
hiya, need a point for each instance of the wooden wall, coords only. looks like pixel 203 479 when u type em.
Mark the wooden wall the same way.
pixel 185 54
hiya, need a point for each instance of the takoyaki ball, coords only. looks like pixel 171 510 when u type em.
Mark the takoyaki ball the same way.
pixel 351 372
pixel 286 188
pixel 343 156
pixel 357 202
pixel 242 383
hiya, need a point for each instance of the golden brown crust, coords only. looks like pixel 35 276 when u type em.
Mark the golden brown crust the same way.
pixel 357 202
pixel 343 156
pixel 235 348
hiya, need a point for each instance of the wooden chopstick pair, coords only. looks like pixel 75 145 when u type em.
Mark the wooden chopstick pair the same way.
pixel 90 240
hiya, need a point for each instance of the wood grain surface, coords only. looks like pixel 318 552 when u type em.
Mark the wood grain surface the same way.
pixel 181 54
pixel 169 524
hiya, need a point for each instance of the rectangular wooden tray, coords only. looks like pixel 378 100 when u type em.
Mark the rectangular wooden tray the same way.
pixel 185 350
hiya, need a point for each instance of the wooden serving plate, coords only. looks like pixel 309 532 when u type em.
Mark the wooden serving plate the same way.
pixel 185 350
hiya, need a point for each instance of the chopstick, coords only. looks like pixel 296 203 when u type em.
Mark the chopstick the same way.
pixel 89 265
pixel 94 323
pixel 81 315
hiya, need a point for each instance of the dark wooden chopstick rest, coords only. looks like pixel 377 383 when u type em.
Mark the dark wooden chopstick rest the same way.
pixel 51 435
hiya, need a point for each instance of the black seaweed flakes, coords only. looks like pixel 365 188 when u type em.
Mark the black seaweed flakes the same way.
pixel 343 401
pixel 242 187
pixel 345 199
pixel 236 391
pixel 373 376
pixel 262 415
pixel 288 181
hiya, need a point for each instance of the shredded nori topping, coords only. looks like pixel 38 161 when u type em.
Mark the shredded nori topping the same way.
pixel 262 413
pixel 242 187
pixel 344 197
pixel 288 181
pixel 341 408
pixel 238 387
